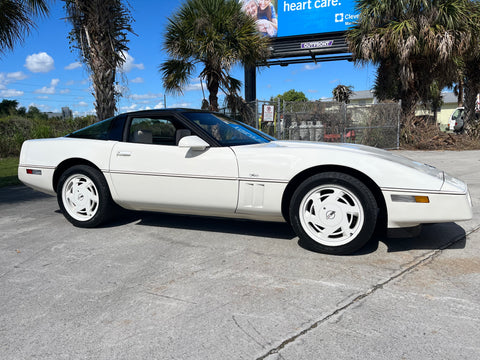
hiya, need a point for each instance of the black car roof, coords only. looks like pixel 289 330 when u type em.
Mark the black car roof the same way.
pixel 159 111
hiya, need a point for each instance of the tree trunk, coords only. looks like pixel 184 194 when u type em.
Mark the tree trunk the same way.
pixel 103 79
pixel 408 105
pixel 460 96
pixel 212 86
pixel 472 88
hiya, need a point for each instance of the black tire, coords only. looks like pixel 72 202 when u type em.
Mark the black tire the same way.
pixel 333 213
pixel 84 197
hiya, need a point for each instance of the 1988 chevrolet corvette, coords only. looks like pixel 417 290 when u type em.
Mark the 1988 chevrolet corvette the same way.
pixel 196 162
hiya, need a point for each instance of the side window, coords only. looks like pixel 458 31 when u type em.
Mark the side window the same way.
pixel 152 131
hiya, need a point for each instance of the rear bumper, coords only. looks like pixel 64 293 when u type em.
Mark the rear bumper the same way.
pixel 41 179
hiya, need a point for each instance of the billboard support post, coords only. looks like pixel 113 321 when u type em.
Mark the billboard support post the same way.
pixel 250 83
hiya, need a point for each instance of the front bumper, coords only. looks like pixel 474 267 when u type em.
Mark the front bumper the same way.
pixel 441 207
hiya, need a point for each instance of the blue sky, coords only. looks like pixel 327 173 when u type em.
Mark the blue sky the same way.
pixel 45 73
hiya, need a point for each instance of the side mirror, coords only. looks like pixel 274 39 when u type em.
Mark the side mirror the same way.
pixel 193 142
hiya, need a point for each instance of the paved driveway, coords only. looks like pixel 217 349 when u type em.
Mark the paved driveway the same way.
pixel 156 286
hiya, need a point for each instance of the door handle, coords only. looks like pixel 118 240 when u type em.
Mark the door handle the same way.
pixel 124 153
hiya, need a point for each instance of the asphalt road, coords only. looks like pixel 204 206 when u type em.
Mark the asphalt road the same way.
pixel 156 286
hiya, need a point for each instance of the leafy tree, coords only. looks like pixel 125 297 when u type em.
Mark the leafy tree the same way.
pixel 291 95
pixel 22 111
pixel 8 107
pixel 99 33
pixel 16 20
pixel 417 41
pixel 215 34
pixel 342 93
pixel 35 113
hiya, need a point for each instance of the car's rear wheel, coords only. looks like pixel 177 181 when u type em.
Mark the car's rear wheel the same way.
pixel 333 213
pixel 84 197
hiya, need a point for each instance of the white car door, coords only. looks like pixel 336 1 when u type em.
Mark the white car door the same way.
pixel 151 172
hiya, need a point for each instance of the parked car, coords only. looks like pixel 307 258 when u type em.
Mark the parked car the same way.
pixel 456 120
pixel 196 162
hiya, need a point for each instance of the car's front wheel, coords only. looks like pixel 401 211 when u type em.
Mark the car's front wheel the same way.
pixel 333 213
pixel 84 197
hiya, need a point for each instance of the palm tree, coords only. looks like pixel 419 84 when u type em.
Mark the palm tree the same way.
pixel 471 71
pixel 216 34
pixel 16 20
pixel 342 93
pixel 416 40
pixel 99 32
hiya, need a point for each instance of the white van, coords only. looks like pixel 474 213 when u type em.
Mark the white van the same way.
pixel 456 119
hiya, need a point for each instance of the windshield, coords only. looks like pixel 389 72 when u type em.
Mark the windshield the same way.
pixel 226 131
pixel 457 114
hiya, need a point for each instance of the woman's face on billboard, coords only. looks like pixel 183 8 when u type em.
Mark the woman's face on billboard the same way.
pixel 263 4
pixel 251 8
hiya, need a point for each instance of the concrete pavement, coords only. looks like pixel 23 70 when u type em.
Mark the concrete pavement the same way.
pixel 156 286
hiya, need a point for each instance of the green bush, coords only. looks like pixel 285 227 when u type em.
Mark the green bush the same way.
pixel 15 129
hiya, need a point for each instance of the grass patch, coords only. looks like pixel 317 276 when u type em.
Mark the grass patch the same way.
pixel 8 171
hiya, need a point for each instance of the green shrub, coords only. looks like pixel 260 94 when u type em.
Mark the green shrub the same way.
pixel 15 129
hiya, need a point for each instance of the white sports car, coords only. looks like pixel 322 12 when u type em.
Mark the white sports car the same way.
pixel 197 162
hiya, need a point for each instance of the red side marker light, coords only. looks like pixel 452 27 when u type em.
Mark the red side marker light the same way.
pixel 34 172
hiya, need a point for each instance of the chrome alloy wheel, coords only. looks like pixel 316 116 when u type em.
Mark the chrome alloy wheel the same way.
pixel 331 215
pixel 80 197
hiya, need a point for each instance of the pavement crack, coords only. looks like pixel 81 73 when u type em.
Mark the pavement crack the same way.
pixel 170 297
pixel 246 332
pixel 427 257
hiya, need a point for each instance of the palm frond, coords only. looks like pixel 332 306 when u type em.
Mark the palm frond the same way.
pixel 176 74
pixel 17 20
pixel 215 33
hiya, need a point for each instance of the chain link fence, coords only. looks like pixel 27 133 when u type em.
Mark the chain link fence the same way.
pixel 374 125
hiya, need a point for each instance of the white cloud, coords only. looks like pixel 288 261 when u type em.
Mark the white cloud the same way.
pixel 7 78
pixel 39 63
pixel 50 90
pixel 194 87
pixel 74 65
pixel 39 106
pixel 10 93
pixel 82 103
pixel 181 105
pixel 129 108
pixel 145 96
pixel 309 67
pixel 137 80
pixel 160 105
pixel 42 97
pixel 16 76
pixel 64 91
pixel 129 63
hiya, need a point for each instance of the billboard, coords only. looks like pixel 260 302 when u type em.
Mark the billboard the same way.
pixel 285 18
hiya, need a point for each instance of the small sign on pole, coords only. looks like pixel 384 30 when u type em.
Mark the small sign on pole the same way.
pixel 268 113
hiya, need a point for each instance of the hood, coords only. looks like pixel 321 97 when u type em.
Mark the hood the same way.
pixel 365 151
